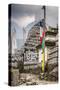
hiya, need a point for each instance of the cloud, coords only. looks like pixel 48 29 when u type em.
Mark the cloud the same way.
pixel 24 10
pixel 24 20
pixel 24 14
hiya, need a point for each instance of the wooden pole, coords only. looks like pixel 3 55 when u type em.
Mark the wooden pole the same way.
pixel 43 49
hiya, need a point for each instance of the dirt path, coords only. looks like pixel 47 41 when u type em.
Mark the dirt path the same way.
pixel 31 79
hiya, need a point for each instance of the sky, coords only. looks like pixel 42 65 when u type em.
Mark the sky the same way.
pixel 22 15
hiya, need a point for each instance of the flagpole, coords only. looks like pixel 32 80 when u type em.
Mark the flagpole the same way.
pixel 43 49
pixel 43 60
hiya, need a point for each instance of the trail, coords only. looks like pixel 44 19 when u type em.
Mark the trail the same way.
pixel 32 79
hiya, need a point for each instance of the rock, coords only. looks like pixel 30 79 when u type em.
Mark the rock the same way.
pixel 15 77
pixel 30 83
pixel 53 75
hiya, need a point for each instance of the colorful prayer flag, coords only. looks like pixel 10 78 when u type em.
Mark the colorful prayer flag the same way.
pixel 42 43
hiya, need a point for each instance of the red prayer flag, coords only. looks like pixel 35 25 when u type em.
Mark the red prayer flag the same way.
pixel 43 34
pixel 40 40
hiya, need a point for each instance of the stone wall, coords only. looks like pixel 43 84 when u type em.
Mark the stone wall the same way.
pixel 53 63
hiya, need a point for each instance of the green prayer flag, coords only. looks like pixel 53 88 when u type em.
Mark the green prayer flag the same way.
pixel 43 41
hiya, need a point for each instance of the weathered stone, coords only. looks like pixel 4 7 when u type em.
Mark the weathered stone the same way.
pixel 53 75
pixel 15 77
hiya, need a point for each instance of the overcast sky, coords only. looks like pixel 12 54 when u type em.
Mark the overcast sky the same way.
pixel 22 15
